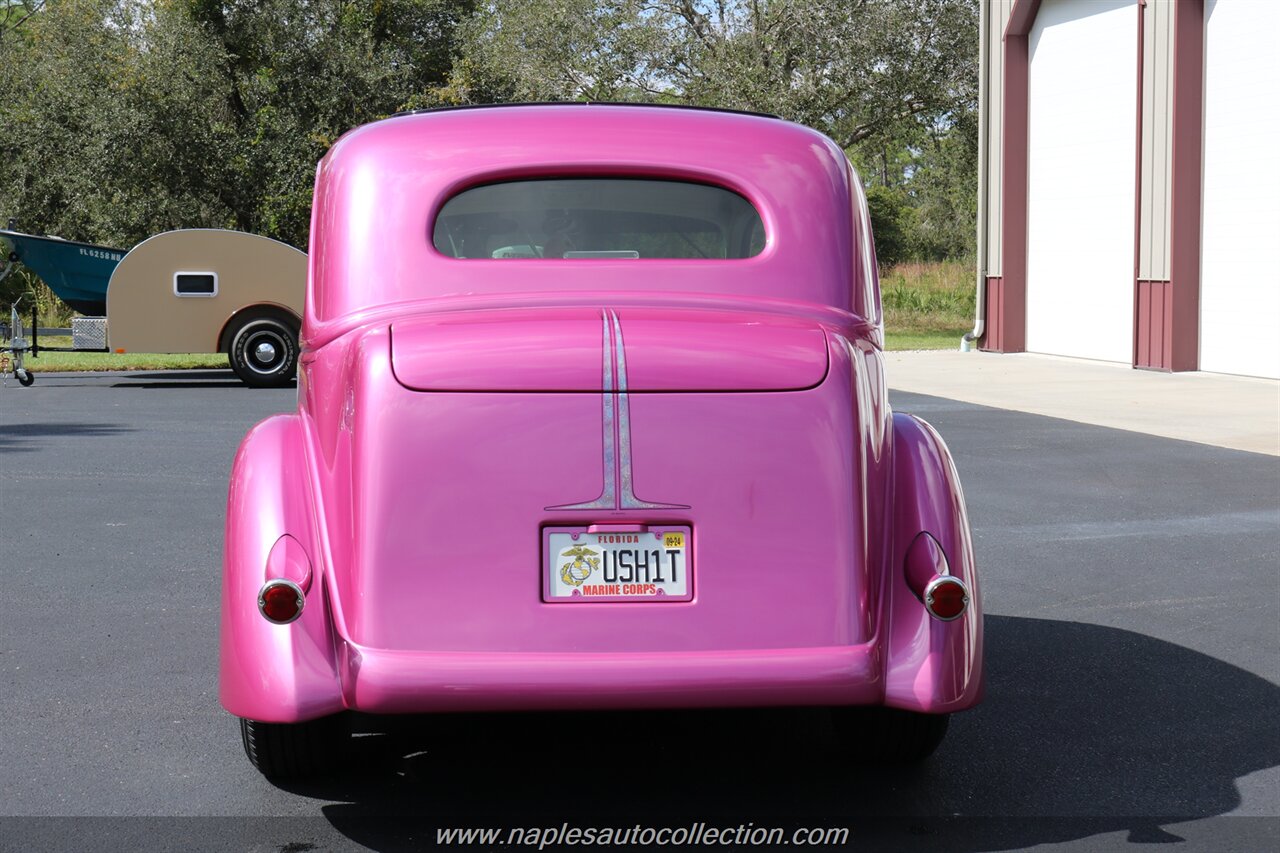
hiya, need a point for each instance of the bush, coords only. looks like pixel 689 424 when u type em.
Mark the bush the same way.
pixel 891 224
pixel 27 286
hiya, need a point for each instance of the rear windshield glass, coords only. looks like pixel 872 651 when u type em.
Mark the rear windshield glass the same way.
pixel 598 218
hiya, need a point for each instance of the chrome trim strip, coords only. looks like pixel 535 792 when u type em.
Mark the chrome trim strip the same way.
pixel 628 499
pixel 609 494
pixel 617 431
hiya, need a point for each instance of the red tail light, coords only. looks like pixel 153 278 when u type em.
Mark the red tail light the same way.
pixel 929 577
pixel 946 598
pixel 280 601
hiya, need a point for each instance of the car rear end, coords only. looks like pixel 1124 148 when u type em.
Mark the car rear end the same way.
pixel 583 507
pixel 595 419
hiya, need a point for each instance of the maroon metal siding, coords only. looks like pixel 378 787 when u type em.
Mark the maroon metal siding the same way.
pixel 1153 337
pixel 1188 144
pixel 993 338
pixel 1009 334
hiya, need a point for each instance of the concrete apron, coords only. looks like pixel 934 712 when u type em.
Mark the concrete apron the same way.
pixel 1236 412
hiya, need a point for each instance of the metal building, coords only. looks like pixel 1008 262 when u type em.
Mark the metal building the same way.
pixel 1129 189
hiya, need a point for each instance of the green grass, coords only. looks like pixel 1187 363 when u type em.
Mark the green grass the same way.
pixel 927 305
pixel 53 362
pixel 945 339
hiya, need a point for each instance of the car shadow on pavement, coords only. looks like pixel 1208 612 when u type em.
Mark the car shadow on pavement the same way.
pixel 1084 730
pixel 182 379
pixel 25 437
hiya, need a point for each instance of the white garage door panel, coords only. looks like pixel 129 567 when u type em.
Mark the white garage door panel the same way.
pixel 1240 270
pixel 1081 130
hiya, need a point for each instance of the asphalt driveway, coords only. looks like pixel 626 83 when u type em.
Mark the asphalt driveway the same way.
pixel 1130 583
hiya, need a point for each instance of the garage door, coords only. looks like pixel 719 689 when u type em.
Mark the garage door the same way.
pixel 1239 282
pixel 1081 125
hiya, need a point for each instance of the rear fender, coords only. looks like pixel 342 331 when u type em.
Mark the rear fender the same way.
pixel 930 665
pixel 270 672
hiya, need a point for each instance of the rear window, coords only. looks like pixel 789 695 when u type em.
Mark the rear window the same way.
pixel 619 218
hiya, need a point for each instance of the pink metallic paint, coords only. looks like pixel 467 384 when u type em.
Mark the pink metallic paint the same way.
pixel 924 563
pixel 756 398
pixel 548 349
pixel 272 672
pixel 288 561
pixel 380 186
pixel 931 665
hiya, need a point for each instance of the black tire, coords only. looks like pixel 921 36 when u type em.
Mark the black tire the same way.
pixel 292 750
pixel 888 735
pixel 264 351
pixel 25 377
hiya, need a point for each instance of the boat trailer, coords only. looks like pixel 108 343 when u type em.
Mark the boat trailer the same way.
pixel 13 355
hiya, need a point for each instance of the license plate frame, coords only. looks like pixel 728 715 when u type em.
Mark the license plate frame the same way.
pixel 594 588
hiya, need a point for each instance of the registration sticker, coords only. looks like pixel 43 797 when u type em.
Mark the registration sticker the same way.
pixel 608 565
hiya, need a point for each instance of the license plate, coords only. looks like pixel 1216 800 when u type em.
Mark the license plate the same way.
pixel 582 565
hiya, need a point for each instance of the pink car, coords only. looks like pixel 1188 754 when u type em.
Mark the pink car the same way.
pixel 592 414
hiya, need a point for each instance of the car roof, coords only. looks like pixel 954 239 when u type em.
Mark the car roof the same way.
pixel 380 186
pixel 700 107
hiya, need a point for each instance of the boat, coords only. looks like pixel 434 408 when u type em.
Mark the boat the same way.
pixel 77 273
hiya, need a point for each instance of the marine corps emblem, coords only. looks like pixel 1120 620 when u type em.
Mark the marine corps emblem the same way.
pixel 584 563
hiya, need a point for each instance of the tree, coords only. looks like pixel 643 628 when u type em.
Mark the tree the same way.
pixel 123 118
pixel 15 13
pixel 298 74
pixel 855 70
pixel 944 189
pixel 893 83
pixel 892 221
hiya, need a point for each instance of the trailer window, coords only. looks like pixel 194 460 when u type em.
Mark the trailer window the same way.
pixel 581 218
pixel 195 283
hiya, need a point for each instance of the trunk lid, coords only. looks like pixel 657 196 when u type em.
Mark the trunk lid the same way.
pixel 499 425
pixel 573 350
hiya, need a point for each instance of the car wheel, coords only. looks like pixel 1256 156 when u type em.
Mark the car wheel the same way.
pixel 264 352
pixel 888 735
pixel 287 750
pixel 25 377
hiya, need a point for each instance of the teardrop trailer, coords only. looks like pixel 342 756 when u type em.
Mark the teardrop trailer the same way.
pixel 186 291
pixel 628 371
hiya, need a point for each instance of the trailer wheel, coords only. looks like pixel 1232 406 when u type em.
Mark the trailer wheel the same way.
pixel 25 377
pixel 264 352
